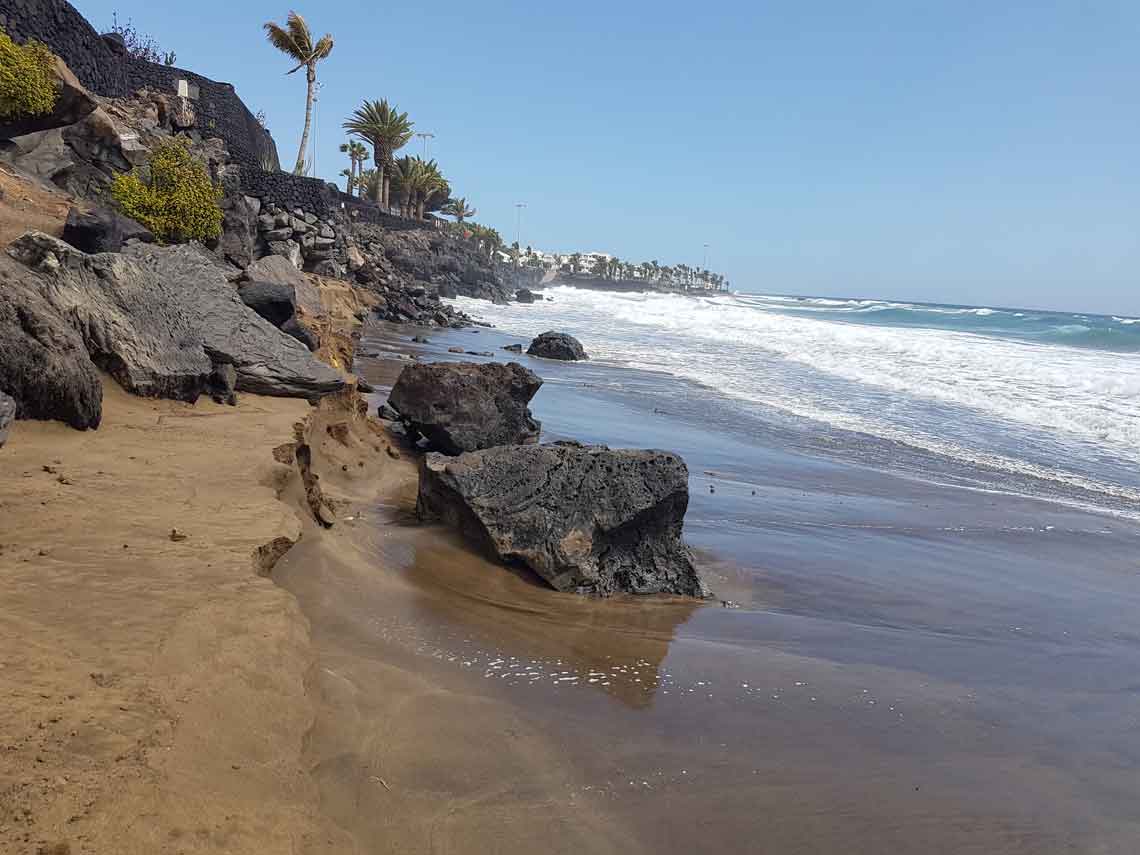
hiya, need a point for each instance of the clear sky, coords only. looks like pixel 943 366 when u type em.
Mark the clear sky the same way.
pixel 969 152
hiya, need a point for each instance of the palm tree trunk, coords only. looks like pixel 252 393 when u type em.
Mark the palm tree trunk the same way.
pixel 311 77
pixel 387 192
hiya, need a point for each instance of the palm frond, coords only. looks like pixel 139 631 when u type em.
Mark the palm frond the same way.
pixel 282 39
pixel 299 31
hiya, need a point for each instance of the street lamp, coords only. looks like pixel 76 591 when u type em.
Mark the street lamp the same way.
pixel 518 222
pixel 425 136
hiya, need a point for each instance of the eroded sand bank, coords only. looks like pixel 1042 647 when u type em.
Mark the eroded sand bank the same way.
pixel 153 687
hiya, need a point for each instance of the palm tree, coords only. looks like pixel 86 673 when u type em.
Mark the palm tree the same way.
pixel 403 172
pixel 601 266
pixel 575 263
pixel 368 186
pixel 429 182
pixel 458 208
pixel 387 129
pixel 296 42
pixel 357 154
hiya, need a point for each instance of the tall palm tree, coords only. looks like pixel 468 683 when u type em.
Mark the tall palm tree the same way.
pixel 296 41
pixel 405 174
pixel 387 129
pixel 357 154
pixel 458 208
pixel 426 182
pixel 368 188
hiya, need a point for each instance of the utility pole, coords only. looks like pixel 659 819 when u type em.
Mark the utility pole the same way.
pixel 425 136
pixel 312 170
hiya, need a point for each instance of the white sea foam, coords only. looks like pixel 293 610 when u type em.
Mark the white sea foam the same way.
pixel 890 379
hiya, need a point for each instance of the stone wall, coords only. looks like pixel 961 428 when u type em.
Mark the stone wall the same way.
pixel 67 33
pixel 103 66
pixel 220 112
pixel 324 200
pixel 289 191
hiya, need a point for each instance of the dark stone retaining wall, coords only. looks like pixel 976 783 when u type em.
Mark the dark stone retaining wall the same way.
pixel 314 196
pixel 107 71
pixel 102 67
pixel 219 110
pixel 67 33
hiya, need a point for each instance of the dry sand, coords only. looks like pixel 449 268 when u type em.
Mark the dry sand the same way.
pixel 28 205
pixel 154 696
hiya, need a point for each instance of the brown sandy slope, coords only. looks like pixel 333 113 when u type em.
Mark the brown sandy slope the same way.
pixel 154 696
pixel 27 205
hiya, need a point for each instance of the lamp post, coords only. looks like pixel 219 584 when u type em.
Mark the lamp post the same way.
pixel 425 136
pixel 518 221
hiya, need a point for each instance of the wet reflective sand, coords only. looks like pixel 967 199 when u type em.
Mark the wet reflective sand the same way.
pixel 908 668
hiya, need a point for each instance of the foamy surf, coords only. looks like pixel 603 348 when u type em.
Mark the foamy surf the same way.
pixel 1021 402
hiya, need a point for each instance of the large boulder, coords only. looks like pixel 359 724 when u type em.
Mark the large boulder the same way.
pixel 271 300
pixel 465 406
pixel 102 229
pixel 44 364
pixel 556 345
pixel 7 415
pixel 275 286
pixel 160 319
pixel 584 518
pixel 73 103
pixel 524 295
pixel 239 229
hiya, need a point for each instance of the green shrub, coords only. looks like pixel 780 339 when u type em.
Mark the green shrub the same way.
pixel 27 79
pixel 177 201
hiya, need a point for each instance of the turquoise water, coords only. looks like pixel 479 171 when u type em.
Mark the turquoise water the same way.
pixel 1069 329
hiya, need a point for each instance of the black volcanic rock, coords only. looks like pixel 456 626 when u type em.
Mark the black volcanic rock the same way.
pixel 524 295
pixel 160 319
pixel 102 230
pixel 584 518
pixel 464 406
pixel 556 345
pixel 7 415
pixel 73 103
pixel 44 365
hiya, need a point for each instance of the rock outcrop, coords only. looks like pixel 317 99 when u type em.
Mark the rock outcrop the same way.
pixel 44 365
pixel 524 295
pixel 556 345
pixel 162 319
pixel 465 406
pixel 584 518
pixel 7 415
pixel 276 290
pixel 102 229
pixel 73 103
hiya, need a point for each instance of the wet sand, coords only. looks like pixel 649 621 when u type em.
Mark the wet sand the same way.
pixel 907 667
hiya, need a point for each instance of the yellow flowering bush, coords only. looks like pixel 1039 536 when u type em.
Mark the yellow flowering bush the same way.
pixel 27 79
pixel 176 201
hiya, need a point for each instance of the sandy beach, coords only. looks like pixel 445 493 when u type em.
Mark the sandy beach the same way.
pixel 153 682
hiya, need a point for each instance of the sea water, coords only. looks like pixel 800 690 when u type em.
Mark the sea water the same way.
pixel 1042 402
pixel 921 527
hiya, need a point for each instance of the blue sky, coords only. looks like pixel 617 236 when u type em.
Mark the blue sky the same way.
pixel 970 152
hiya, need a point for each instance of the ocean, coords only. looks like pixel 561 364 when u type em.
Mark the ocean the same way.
pixel 1043 403
pixel 921 524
